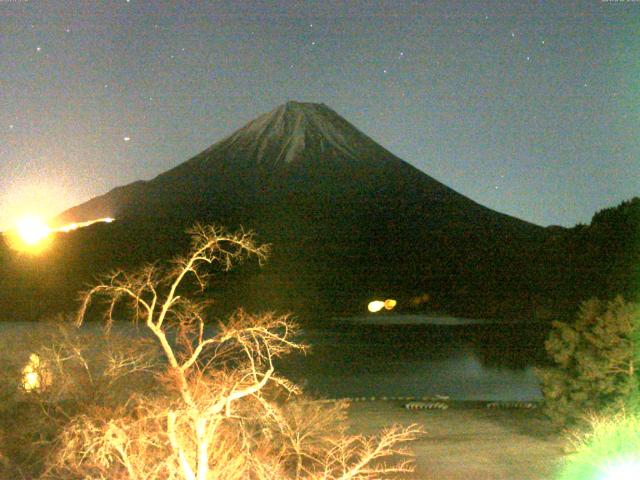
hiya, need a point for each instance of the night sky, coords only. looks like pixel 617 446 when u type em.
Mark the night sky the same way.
pixel 529 108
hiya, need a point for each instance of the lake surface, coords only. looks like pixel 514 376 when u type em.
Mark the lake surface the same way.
pixel 421 356
pixel 408 356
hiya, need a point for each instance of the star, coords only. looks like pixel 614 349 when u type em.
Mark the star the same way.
pixel 38 49
pixel 513 35
pixel 10 127
pixel 528 59
pixel 384 71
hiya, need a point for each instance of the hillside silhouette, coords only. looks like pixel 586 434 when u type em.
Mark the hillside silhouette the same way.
pixel 348 222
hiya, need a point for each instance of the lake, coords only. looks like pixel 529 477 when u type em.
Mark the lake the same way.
pixel 409 356
pixel 421 356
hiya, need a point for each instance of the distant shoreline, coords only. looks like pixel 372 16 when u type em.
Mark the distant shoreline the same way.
pixel 422 319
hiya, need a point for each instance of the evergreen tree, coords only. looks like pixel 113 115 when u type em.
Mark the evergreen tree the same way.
pixel 595 361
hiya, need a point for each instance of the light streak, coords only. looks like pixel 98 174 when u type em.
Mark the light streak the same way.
pixel 32 234
pixel 74 226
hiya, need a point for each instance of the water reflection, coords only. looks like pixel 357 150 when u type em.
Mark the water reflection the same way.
pixel 478 361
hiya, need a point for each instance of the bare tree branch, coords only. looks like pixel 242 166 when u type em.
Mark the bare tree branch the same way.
pixel 216 418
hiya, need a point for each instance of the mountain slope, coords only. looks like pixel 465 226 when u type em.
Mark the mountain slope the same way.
pixel 297 149
pixel 348 221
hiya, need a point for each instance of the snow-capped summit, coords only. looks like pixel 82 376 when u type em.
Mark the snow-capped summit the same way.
pixel 292 133
pixel 294 128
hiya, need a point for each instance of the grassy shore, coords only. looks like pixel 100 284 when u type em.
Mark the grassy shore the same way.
pixel 466 443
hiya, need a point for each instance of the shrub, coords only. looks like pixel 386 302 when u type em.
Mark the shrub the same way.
pixel 595 361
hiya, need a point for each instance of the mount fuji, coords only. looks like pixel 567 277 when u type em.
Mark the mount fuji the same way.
pixel 348 221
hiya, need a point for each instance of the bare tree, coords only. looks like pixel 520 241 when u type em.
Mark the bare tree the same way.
pixel 223 413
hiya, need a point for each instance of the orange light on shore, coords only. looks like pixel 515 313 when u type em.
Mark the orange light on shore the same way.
pixel 377 305
pixel 390 304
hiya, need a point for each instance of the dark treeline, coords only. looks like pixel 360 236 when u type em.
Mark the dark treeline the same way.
pixel 314 271
pixel 601 260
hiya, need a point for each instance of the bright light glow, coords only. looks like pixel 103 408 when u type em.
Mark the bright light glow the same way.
pixel 390 304
pixel 626 470
pixel 32 234
pixel 375 306
pixel 32 230
pixel 35 375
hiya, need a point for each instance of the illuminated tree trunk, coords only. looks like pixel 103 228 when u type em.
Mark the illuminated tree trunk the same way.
pixel 203 449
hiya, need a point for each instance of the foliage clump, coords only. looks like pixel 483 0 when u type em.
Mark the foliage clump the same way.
pixel 595 361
